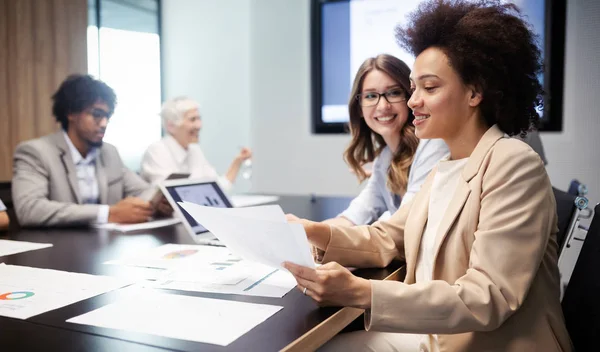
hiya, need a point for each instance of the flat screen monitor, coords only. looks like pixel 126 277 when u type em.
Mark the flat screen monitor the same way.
pixel 346 32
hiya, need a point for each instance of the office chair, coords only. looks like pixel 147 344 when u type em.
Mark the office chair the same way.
pixel 568 209
pixel 570 233
pixel 577 188
pixel 580 303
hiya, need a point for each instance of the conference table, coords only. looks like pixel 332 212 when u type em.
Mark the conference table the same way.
pixel 300 326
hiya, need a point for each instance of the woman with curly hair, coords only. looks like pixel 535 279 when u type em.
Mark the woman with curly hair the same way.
pixel 383 133
pixel 479 238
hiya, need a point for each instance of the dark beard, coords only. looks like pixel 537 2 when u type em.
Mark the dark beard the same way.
pixel 95 144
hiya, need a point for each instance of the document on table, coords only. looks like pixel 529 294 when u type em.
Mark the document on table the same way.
pixel 247 200
pixel 8 247
pixel 197 319
pixel 259 234
pixel 25 291
pixel 172 256
pixel 209 269
pixel 230 276
pixel 141 226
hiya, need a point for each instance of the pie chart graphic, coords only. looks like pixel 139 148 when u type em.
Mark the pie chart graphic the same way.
pixel 180 254
pixel 13 296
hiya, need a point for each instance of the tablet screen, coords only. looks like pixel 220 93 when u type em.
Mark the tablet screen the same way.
pixel 206 193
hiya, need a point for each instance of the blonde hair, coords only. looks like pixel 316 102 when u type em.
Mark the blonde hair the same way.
pixel 366 145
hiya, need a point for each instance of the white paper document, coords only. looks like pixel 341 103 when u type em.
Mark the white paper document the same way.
pixel 8 247
pixel 247 200
pixel 25 291
pixel 205 320
pixel 172 256
pixel 263 237
pixel 141 226
pixel 229 276
pixel 209 269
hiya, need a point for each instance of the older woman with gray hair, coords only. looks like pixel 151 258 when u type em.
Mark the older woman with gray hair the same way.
pixel 179 151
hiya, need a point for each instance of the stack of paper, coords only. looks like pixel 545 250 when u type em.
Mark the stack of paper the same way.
pixel 197 319
pixel 8 247
pixel 247 200
pixel 240 277
pixel 137 227
pixel 172 256
pixel 210 269
pixel 25 291
pixel 259 234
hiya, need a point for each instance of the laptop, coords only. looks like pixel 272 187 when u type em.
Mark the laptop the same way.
pixel 203 192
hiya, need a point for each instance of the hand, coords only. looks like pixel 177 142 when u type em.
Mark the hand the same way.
pixel 332 285
pixel 317 253
pixel 130 210
pixel 292 218
pixel 317 233
pixel 4 220
pixel 245 153
pixel 162 208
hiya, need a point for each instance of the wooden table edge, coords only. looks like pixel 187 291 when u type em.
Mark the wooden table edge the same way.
pixel 329 327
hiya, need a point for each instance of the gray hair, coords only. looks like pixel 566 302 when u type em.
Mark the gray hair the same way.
pixel 174 109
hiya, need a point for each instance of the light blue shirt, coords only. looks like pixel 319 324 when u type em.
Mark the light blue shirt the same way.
pixel 2 206
pixel 376 199
pixel 86 178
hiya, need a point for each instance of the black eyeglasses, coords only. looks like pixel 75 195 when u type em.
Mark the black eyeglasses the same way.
pixel 392 96
pixel 99 114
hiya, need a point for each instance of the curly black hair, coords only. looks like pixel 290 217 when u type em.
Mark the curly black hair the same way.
pixel 491 47
pixel 77 93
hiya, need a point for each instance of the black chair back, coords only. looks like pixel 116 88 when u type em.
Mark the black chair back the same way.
pixel 580 303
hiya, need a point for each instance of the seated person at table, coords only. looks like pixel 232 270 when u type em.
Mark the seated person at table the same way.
pixel 479 238
pixel 71 177
pixel 4 221
pixel 383 133
pixel 179 151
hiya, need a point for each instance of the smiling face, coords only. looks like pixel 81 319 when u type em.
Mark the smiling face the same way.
pixel 188 129
pixel 384 118
pixel 442 104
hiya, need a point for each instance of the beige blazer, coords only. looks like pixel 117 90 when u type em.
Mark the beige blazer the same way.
pixel 45 189
pixel 495 278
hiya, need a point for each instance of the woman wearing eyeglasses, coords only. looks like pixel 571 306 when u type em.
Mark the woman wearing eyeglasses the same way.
pixel 479 238
pixel 382 133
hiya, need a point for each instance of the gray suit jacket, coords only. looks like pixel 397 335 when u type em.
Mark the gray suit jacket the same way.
pixel 44 185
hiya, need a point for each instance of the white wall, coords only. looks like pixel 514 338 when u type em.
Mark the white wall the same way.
pixel 575 152
pixel 264 46
pixel 206 55
pixel 289 159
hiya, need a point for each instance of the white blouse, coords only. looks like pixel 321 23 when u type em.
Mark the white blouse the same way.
pixel 167 156
pixel 376 199
pixel 442 191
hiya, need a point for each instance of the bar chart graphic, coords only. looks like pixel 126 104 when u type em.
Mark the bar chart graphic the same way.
pixel 211 202
pixel 201 194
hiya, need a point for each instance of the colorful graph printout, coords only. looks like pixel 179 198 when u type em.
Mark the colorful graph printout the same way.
pixel 180 254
